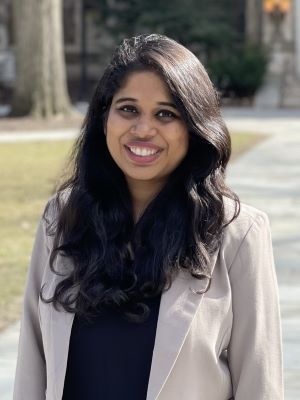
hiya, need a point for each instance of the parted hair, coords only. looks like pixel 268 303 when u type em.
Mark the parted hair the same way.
pixel 181 227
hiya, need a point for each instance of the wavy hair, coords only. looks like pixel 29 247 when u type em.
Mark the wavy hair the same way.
pixel 181 227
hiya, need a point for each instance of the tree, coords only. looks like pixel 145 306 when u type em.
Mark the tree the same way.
pixel 204 27
pixel 41 88
pixel 214 31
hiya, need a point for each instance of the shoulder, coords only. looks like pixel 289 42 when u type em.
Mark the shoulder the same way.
pixel 248 215
pixel 51 214
pixel 54 205
pixel 250 226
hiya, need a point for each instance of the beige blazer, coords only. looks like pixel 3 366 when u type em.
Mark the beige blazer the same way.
pixel 223 344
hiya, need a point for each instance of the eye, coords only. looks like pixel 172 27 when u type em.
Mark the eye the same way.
pixel 128 109
pixel 166 114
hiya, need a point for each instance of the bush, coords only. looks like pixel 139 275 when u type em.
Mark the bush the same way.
pixel 239 73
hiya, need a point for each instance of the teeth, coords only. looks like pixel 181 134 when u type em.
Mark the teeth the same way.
pixel 140 151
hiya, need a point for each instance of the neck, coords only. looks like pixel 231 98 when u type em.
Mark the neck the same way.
pixel 142 192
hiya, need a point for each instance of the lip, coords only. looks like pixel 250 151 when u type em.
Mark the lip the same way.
pixel 145 145
pixel 142 160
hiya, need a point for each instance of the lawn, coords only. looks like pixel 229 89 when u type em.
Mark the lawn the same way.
pixel 29 173
pixel 243 141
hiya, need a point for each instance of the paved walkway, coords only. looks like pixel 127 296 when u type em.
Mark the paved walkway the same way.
pixel 267 177
pixel 41 136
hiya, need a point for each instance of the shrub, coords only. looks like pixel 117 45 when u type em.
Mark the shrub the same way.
pixel 239 72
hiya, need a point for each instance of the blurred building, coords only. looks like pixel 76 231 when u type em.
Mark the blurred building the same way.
pixel 275 23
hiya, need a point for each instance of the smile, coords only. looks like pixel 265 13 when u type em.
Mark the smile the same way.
pixel 142 151
pixel 142 155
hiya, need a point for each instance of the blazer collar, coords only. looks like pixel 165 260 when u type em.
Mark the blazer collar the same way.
pixel 178 307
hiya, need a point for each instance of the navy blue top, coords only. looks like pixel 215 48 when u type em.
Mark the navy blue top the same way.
pixel 110 358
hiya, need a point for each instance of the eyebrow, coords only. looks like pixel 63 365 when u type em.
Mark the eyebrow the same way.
pixel 161 103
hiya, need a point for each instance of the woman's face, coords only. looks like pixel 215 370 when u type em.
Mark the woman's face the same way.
pixel 146 135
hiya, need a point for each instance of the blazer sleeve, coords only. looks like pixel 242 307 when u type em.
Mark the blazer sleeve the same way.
pixel 30 378
pixel 255 352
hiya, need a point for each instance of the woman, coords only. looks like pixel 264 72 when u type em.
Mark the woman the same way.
pixel 148 279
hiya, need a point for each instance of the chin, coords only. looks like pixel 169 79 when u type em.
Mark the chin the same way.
pixel 145 177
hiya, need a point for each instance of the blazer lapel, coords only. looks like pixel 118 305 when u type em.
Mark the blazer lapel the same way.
pixel 177 309
pixel 61 332
pixel 61 326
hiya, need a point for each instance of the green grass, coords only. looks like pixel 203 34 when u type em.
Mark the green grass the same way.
pixel 242 142
pixel 29 173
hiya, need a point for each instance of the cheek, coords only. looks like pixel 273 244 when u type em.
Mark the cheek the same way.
pixel 110 125
pixel 182 142
pixel 112 132
pixel 116 126
pixel 185 142
pixel 112 142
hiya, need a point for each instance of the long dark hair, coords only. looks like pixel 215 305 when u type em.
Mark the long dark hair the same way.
pixel 182 226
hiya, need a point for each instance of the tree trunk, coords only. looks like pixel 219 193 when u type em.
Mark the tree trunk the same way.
pixel 41 89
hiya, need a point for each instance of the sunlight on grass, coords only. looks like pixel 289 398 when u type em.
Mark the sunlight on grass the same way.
pixel 242 142
pixel 29 172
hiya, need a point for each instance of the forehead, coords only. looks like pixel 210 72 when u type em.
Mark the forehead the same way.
pixel 144 83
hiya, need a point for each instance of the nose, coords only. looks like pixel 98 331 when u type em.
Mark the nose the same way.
pixel 143 128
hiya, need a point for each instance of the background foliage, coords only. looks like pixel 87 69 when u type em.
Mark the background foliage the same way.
pixel 214 31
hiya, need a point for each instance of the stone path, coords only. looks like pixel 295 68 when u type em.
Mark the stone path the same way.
pixel 8 356
pixel 267 177
pixel 40 136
